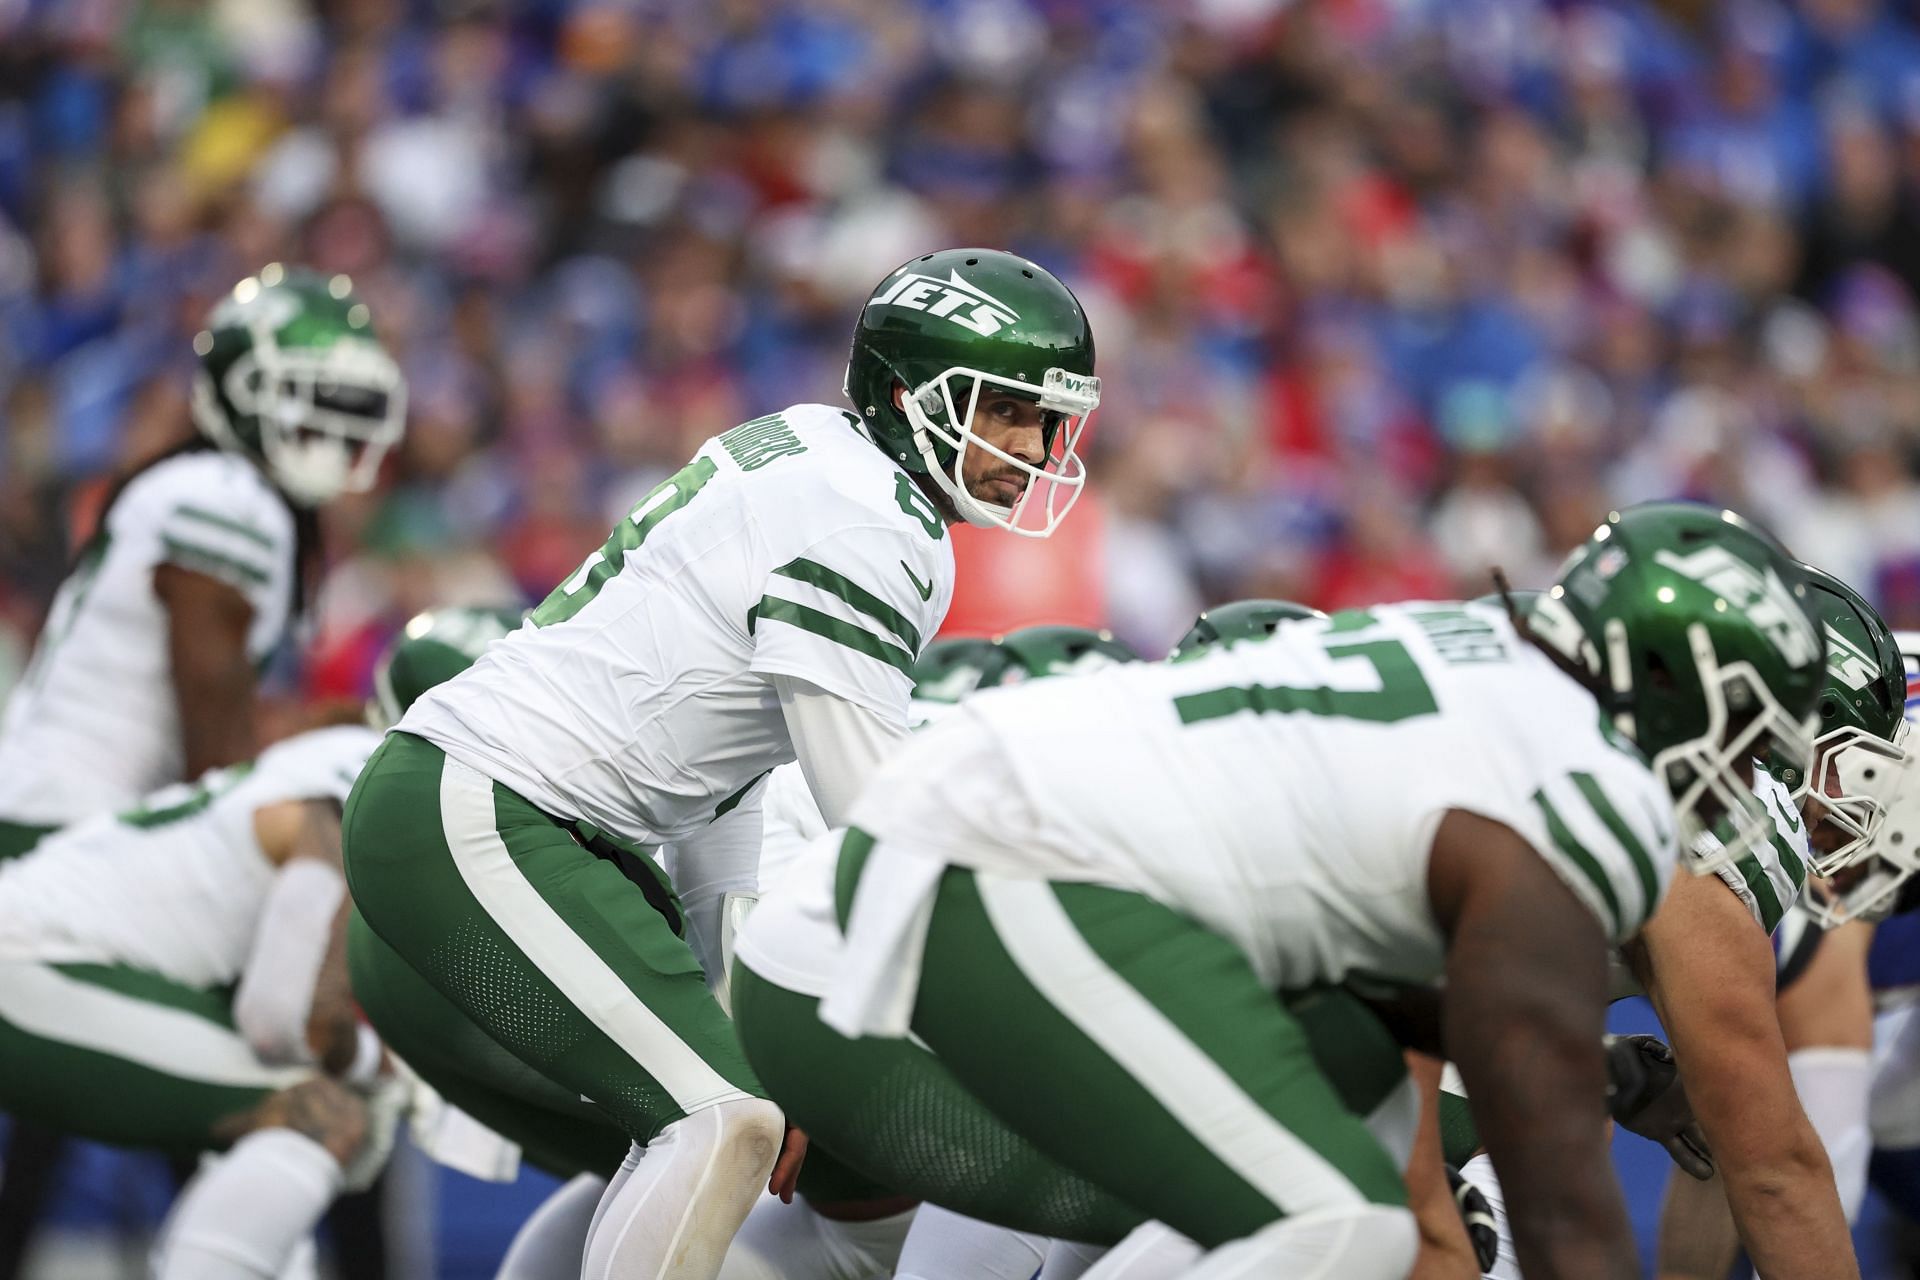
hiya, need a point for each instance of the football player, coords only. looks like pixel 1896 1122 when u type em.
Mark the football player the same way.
pixel 1823 1003
pixel 553 1129
pixel 763 604
pixel 1012 876
pixel 842 1224
pixel 144 673
pixel 174 978
pixel 1804 1059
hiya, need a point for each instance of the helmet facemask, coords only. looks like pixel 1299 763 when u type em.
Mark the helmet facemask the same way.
pixel 327 415
pixel 1848 760
pixel 1871 878
pixel 940 427
pixel 1711 775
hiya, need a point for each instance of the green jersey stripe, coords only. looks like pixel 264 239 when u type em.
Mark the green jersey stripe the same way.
pixel 1637 852
pixel 815 574
pixel 1577 854
pixel 189 555
pixel 1789 860
pixel 1761 888
pixel 228 523
pixel 825 625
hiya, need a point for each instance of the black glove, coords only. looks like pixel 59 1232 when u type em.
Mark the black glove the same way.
pixel 1477 1216
pixel 1645 1096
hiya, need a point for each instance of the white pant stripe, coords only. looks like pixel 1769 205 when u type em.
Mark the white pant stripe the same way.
pixel 466 817
pixel 1042 940
pixel 44 1002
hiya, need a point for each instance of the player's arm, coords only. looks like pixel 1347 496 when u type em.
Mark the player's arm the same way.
pixel 213 677
pixel 711 868
pixel 1525 1009
pixel 1709 971
pixel 295 1001
pixel 1445 1251
pixel 839 743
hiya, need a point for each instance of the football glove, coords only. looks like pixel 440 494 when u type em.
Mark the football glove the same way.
pixel 1477 1216
pixel 1645 1096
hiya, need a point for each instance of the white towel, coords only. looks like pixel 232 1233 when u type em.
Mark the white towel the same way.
pixel 879 975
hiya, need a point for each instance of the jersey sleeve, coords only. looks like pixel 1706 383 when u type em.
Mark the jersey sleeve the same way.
pixel 226 524
pixel 1608 833
pixel 851 613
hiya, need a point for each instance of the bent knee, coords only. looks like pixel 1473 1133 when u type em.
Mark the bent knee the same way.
pixel 744 1133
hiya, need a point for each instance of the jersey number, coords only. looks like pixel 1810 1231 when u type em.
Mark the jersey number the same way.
pixel 584 583
pixel 1402 694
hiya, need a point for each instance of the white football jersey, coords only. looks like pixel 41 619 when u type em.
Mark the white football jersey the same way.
pixel 176 886
pixel 1285 792
pixel 638 696
pixel 93 725
pixel 1768 879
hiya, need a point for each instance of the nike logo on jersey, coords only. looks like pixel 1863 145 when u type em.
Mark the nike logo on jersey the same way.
pixel 924 588
pixel 1789 815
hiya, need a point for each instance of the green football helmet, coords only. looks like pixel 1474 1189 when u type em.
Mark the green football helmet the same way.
pixel 1693 629
pixel 948 670
pixel 1862 717
pixel 945 327
pixel 291 376
pixel 431 649
pixel 1034 652
pixel 1240 620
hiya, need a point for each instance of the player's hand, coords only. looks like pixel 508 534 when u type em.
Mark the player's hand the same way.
pixel 786 1169
pixel 1477 1216
pixel 1645 1095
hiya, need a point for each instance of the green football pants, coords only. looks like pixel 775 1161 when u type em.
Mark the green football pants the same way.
pixel 125 1057
pixel 552 1126
pixel 545 947
pixel 1140 1051
pixel 888 1110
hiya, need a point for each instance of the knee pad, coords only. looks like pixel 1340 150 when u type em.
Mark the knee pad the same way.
pixel 748 1136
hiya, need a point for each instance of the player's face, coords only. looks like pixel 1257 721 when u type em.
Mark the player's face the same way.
pixel 1014 426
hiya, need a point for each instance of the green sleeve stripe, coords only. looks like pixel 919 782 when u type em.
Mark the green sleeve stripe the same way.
pixel 1577 854
pixel 228 523
pixel 815 574
pixel 191 555
pixel 1789 860
pixel 1762 890
pixel 1637 852
pixel 825 625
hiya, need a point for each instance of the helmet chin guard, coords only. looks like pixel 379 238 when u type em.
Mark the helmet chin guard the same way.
pixel 1875 873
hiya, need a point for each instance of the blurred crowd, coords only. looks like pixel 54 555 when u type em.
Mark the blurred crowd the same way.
pixel 1385 291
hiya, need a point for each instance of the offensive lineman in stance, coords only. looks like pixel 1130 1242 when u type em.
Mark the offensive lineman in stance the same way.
pixel 1007 875
pixel 174 978
pixel 764 604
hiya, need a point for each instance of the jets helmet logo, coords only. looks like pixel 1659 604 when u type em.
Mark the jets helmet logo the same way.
pixel 952 299
pixel 1848 663
pixel 1759 594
